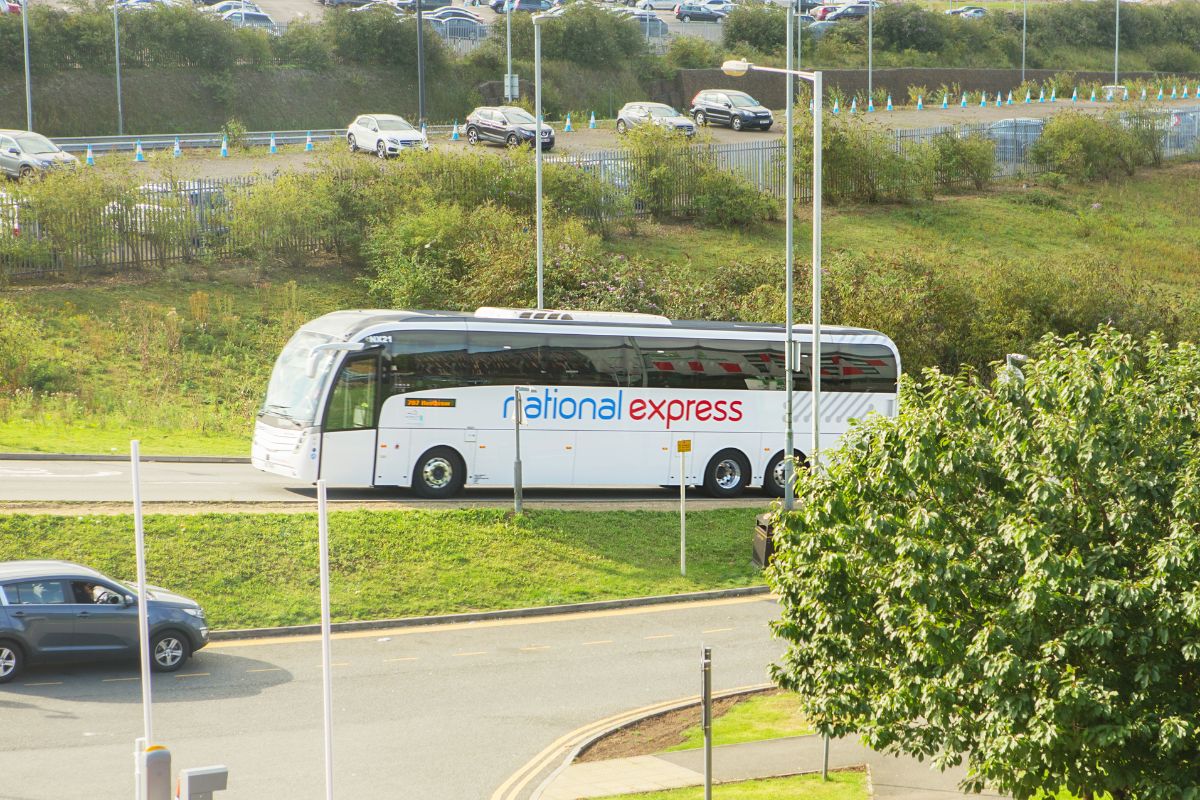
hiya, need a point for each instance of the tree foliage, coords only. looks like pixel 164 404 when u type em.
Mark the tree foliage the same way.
pixel 1008 574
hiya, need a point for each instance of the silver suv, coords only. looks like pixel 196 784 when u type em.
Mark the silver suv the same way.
pixel 58 611
pixel 23 153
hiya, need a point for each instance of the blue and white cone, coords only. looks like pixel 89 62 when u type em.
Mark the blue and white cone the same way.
pixel 854 105
pixel 1008 102
pixel 1042 96
pixel 176 151
pixel 1185 91
pixel 224 147
pixel 567 127
pixel 1028 97
pixel 592 121
pixel 1054 94
pixel 1093 98
pixel 454 133
pixel 138 154
pixel 1125 97
pixel 870 105
pixel 308 145
pixel 1143 94
pixel 920 104
pixel 274 147
pixel 1174 93
pixel 1160 93
pixel 964 100
pixel 423 132
pixel 90 159
pixel 983 100
pixel 999 99
pixel 835 106
pixel 945 101
pixel 889 103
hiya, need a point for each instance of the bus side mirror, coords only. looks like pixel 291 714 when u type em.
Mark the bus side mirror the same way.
pixel 310 368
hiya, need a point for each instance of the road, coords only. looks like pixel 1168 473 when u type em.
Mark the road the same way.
pixel 105 486
pixel 431 713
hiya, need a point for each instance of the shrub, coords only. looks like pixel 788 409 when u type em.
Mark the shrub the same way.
pixel 304 44
pixel 1084 148
pixel 861 163
pixel 762 27
pixel 584 35
pixel 378 36
pixel 692 52
pixel 282 220
pixel 971 157
pixel 725 200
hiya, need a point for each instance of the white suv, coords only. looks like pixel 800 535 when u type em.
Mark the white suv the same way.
pixel 384 134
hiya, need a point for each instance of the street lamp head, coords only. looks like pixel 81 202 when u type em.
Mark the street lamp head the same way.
pixel 736 67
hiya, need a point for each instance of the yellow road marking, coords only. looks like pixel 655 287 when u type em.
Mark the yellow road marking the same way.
pixel 717 630
pixel 406 658
pixel 194 675
pixel 519 780
pixel 45 683
pixel 266 669
pixel 494 623
pixel 115 680
pixel 660 636
pixel 474 653
pixel 599 641
pixel 534 647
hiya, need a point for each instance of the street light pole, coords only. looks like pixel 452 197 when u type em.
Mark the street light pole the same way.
pixel 537 145
pixel 117 48
pixel 508 94
pixel 420 65
pixel 870 52
pixel 789 356
pixel 28 83
pixel 1024 29
pixel 1117 46
pixel 737 68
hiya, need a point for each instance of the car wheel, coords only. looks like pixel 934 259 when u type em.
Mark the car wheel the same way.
pixel 699 117
pixel 12 661
pixel 773 481
pixel 687 18
pixel 26 171
pixel 512 140
pixel 621 127
pixel 381 149
pixel 168 651
pixel 353 144
pixel 735 122
pixel 727 474
pixel 472 135
pixel 439 474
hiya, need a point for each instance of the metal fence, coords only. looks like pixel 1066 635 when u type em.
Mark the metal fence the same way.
pixel 170 223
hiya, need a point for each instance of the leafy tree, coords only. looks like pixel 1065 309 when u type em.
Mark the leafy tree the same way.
pixel 1008 574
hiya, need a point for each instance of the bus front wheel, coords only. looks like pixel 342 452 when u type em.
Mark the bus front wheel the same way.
pixel 727 474
pixel 773 481
pixel 439 474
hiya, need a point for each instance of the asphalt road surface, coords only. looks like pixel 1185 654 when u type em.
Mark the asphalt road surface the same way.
pixel 424 714
pixel 108 482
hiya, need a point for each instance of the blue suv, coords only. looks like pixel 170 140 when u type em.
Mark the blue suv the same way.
pixel 53 611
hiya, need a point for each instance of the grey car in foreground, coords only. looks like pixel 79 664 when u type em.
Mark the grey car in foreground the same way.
pixel 56 611
pixel 661 114
pixel 22 153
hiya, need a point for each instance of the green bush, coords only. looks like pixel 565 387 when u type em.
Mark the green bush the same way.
pixel 762 27
pixel 283 220
pixel 378 36
pixel 304 44
pixel 692 52
pixel 971 157
pixel 725 200
pixel 1084 147
pixel 861 163
pixel 584 34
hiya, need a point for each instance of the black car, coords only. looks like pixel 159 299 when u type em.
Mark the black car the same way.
pixel 59 611
pixel 738 110
pixel 698 12
pixel 508 125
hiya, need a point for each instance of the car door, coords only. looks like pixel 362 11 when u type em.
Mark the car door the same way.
pixel 496 125
pixel 9 163
pixel 371 133
pixel 722 109
pixel 104 627
pixel 350 431
pixel 42 614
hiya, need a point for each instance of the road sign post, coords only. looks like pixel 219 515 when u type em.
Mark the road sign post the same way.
pixel 326 675
pixel 706 718
pixel 684 446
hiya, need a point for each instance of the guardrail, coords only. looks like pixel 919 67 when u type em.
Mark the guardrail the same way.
pixel 166 141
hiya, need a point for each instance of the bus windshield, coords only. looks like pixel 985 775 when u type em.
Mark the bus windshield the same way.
pixel 291 394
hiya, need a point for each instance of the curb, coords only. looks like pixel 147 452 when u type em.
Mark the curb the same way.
pixel 125 458
pixel 481 616
pixel 609 731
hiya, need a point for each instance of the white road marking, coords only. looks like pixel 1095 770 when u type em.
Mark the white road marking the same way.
pixel 601 641
pixel 194 675
pixel 717 630
pixel 534 647
pixel 660 636
pixel 42 472
pixel 406 658
pixel 475 653
pixel 266 669
pixel 46 683
pixel 115 680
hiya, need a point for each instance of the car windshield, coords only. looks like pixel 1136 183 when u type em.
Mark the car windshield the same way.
pixel 35 144
pixel 742 100
pixel 517 116
pixel 291 394
pixel 662 111
pixel 396 124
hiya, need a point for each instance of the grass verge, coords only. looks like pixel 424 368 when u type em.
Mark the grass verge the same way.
pixel 258 570
pixel 762 716
pixel 840 786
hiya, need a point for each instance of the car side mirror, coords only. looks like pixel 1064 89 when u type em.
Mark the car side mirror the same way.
pixel 116 599
pixel 729 105
pixel 12 151
pixel 129 601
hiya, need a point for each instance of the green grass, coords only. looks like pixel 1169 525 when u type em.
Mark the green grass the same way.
pixel 252 570
pixel 840 786
pixel 767 716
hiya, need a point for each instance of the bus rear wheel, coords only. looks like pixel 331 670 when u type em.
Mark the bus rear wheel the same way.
pixel 440 473
pixel 727 474
pixel 773 481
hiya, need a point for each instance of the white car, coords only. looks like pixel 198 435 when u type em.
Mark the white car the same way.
pixel 657 5
pixel 384 134
pixel 453 12
pixel 250 19
pixel 225 6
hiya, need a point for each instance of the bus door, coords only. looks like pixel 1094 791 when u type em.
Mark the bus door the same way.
pixel 348 436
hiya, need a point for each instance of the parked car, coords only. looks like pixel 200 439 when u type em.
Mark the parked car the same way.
pixel 225 6
pixel 340 3
pixel 1014 136
pixel 459 28
pixel 967 12
pixel 453 12
pixel 819 13
pixel 647 21
pixel 9 7
pixel 250 19
pixel 384 135
pixel 384 6
pixel 23 153
pixel 854 11
pixel 738 110
pixel 507 125
pixel 724 6
pixel 699 12
pixel 410 6
pixel 818 29
pixel 657 5
pixel 633 114
pixel 59 611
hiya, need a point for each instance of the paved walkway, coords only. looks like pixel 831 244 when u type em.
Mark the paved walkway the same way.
pixel 893 778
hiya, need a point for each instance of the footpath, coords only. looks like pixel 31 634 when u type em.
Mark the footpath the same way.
pixel 891 777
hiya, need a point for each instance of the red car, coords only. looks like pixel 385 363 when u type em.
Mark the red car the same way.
pixel 820 12
pixel 9 7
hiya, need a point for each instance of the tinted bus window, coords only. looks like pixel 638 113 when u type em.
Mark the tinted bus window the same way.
pixel 419 360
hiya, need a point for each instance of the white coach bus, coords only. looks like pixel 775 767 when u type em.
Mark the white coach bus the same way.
pixel 425 399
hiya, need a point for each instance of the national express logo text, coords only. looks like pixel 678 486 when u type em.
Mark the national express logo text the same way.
pixel 548 403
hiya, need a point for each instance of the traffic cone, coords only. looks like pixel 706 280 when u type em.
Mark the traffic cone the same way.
pixel 854 105
pixel 592 121
pixel 1160 93
pixel 90 160
pixel 1009 101
pixel 945 101
pixel 1093 99
pixel 1143 94
pixel 999 99
pixel 1054 94
pixel 889 103
pixel 138 155
pixel 454 133
pixel 1042 96
pixel 274 148
pixel 964 100
pixel 1185 91
pixel 308 145
pixel 1075 95
pixel 224 147
pixel 870 105
pixel 983 99
pixel 920 105
pixel 835 105
pixel 1028 97
pixel 1174 93
pixel 423 132
pixel 567 127
pixel 176 151
pixel 1125 98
